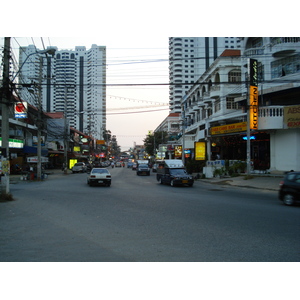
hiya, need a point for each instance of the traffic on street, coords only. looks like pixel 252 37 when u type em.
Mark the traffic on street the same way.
pixel 138 219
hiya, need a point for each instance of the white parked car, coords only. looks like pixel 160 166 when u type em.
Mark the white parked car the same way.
pixel 99 176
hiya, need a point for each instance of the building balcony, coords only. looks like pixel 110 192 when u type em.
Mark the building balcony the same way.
pixel 270 117
pixel 254 51
pixel 215 91
pixel 206 96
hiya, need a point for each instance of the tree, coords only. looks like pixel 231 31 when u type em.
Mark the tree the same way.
pixel 115 149
pixel 107 135
pixel 153 141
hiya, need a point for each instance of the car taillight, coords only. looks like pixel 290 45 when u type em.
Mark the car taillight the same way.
pixel 108 176
pixel 281 183
pixel 93 176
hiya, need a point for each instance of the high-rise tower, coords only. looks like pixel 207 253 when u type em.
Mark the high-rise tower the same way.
pixel 189 57
pixel 73 82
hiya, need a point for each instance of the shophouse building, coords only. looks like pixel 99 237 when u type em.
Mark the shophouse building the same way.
pixel 214 110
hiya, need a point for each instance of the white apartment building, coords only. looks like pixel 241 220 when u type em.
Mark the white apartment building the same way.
pixel 214 110
pixel 189 58
pixel 72 81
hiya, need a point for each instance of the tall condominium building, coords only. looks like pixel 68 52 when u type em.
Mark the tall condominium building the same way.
pixel 72 81
pixel 189 58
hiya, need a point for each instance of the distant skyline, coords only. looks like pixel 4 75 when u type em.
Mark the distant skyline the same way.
pixel 135 63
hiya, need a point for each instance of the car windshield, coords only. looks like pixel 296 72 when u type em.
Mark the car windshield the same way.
pixel 143 166
pixel 100 171
pixel 178 172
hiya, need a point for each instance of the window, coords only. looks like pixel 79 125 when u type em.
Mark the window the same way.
pixel 285 66
pixel 234 76
pixel 217 105
pixel 230 104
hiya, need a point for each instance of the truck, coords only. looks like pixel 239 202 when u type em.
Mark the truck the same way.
pixel 173 172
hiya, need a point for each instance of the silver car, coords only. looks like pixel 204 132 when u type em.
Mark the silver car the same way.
pixel 79 167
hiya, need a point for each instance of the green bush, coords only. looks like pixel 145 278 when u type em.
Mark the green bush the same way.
pixel 236 168
pixel 219 172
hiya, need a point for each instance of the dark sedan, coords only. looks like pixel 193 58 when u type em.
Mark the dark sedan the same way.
pixel 289 188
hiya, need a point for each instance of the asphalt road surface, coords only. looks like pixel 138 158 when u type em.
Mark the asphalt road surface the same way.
pixel 62 219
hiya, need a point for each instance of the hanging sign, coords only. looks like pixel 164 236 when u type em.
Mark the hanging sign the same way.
pixel 21 110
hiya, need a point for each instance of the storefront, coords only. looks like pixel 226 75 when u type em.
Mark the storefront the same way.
pixel 229 142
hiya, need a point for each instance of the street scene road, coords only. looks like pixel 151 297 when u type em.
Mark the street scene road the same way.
pixel 62 219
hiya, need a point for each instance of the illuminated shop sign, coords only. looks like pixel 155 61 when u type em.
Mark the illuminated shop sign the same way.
pixel 253 93
pixel 13 143
pixel 245 138
pixel 178 151
pixel 229 128
pixel 200 150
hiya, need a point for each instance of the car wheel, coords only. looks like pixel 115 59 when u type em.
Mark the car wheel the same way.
pixel 288 199
pixel 191 184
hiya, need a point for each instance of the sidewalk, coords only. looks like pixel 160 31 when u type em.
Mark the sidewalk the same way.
pixel 266 181
pixel 52 173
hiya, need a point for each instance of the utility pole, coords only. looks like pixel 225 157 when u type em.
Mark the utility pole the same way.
pixel 5 118
pixel 39 123
pixel 66 133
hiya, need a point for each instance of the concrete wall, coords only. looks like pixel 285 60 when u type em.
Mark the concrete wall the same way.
pixel 285 150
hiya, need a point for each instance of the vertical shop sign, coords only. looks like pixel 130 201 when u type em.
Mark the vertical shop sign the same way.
pixel 178 151
pixel 253 94
pixel 200 150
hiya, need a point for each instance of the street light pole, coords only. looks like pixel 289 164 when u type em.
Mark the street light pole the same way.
pixel 39 108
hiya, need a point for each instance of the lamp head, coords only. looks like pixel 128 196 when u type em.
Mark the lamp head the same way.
pixel 49 50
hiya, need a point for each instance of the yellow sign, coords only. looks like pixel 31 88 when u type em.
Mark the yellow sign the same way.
pixel 100 142
pixel 200 150
pixel 292 116
pixel 253 107
pixel 76 149
pixel 229 128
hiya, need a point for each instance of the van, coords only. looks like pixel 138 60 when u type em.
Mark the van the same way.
pixel 173 172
